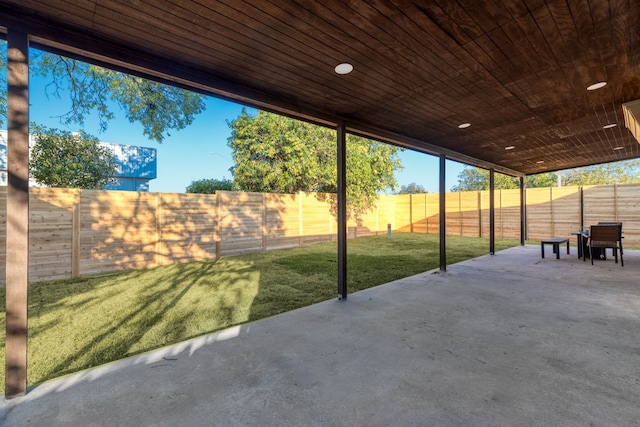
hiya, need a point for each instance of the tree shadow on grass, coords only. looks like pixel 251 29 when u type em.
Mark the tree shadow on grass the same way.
pixel 139 314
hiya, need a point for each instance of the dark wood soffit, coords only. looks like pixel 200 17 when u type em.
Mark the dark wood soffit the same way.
pixel 164 69
pixel 142 64
pixel 517 71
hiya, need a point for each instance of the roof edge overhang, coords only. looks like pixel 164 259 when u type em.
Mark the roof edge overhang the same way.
pixel 424 147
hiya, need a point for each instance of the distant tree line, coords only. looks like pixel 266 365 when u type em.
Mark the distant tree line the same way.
pixel 210 186
pixel 624 172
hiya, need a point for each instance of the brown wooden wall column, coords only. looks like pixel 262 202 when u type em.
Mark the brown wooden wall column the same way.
pixel 17 259
pixel 492 212
pixel 443 214
pixel 342 211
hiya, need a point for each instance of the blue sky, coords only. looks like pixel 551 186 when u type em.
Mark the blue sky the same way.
pixel 200 150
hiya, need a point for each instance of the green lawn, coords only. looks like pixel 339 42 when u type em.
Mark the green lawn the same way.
pixel 79 323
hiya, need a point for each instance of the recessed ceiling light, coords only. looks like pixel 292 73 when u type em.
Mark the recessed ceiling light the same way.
pixel 464 125
pixel 609 126
pixel 618 148
pixel 511 147
pixel 344 68
pixel 596 86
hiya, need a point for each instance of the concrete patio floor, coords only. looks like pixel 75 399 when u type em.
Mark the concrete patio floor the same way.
pixel 510 339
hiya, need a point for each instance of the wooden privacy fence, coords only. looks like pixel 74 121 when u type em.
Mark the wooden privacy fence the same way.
pixel 77 232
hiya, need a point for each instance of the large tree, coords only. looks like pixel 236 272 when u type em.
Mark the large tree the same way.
pixel 70 160
pixel 95 90
pixel 277 154
pixel 477 179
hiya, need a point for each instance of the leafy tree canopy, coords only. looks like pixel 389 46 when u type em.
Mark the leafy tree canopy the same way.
pixel 412 188
pixel 209 186
pixel 625 172
pixel 94 90
pixel 62 159
pixel 277 154
pixel 477 179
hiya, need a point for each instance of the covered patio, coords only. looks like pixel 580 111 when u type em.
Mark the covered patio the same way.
pixel 511 340
pixel 514 87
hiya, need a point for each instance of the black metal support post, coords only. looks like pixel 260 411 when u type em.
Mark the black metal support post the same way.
pixel 492 212
pixel 443 215
pixel 581 208
pixel 523 212
pixel 342 212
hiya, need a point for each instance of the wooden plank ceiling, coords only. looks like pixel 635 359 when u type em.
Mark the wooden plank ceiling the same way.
pixel 516 70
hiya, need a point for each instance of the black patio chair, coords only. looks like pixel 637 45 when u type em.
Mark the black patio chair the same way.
pixel 619 224
pixel 606 236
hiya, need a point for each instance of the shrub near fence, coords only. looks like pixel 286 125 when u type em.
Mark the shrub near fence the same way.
pixel 77 232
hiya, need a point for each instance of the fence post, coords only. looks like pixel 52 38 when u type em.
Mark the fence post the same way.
pixel 158 258
pixel 426 213
pixel 523 212
pixel 553 220
pixel 581 189
pixel 75 239
pixel 331 232
pixel 460 210
pixel 217 228
pixel 300 220
pixel 615 202
pixel 411 211
pixel 479 213
pixel 264 222
pixel 501 215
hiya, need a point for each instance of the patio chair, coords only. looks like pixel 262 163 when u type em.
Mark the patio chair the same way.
pixel 606 236
pixel 619 224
